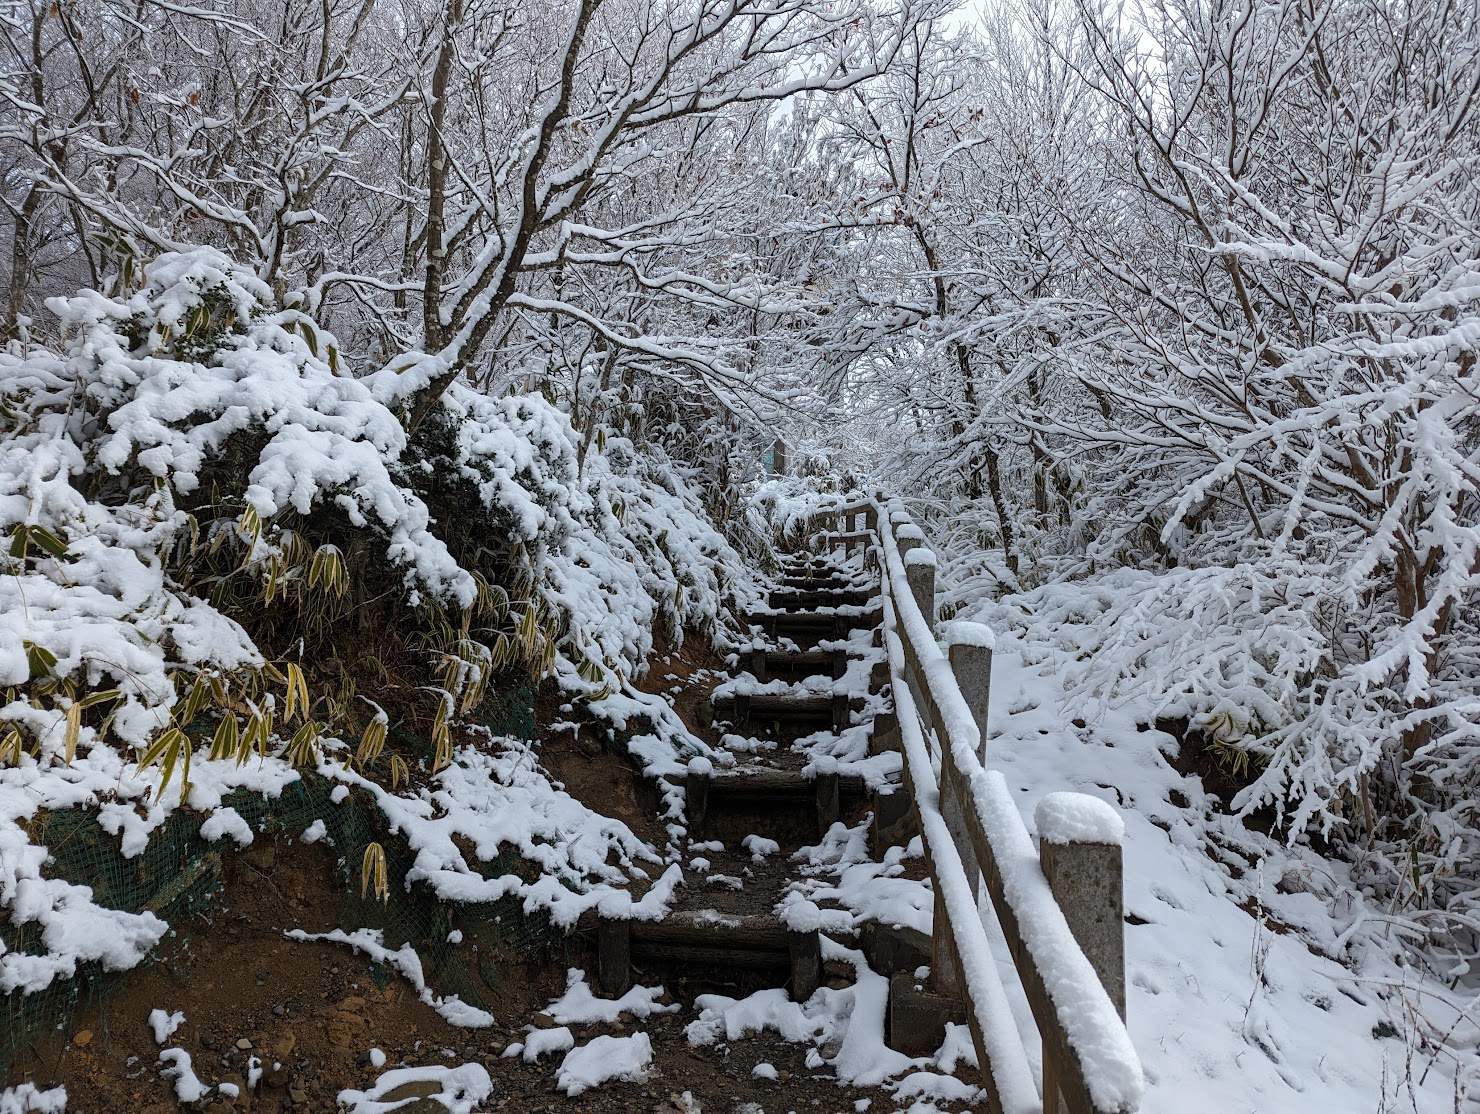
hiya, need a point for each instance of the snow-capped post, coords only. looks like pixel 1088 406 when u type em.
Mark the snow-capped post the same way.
pixel 1079 839
pixel 696 790
pixel 825 789
pixel 805 949
pixel 969 647
pixel 919 571
pixel 908 535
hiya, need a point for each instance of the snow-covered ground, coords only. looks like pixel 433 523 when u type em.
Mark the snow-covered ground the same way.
pixel 1256 979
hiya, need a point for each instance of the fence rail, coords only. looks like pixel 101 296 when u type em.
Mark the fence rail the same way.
pixel 1059 906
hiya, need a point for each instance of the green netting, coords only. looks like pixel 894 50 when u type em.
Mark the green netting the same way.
pixel 175 875
pixel 178 873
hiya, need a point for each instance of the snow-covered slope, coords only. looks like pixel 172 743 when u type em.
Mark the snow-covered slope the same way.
pixel 1258 979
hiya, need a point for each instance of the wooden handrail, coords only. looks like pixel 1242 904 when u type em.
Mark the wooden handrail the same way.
pixel 972 831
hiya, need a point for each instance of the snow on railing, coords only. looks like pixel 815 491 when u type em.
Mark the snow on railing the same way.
pixel 1059 907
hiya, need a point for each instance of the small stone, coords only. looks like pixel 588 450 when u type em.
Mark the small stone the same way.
pixel 279 1011
pixel 783 1075
pixel 413 1089
pixel 244 1044
pixel 543 1020
pixel 83 1038
pixel 297 1094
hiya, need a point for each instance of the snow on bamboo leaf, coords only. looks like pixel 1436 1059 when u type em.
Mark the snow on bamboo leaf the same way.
pixel 169 749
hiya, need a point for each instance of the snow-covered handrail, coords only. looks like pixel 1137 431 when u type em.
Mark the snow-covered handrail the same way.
pixel 1066 952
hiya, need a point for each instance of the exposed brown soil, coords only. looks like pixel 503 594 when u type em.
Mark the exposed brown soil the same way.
pixel 1195 758
pixel 594 771
pixel 312 1008
pixel 694 670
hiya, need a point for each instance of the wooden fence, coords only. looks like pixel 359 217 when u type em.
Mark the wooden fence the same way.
pixel 1059 906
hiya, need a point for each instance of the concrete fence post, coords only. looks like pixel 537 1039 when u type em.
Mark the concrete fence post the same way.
pixel 969 648
pixel 919 571
pixel 871 551
pixel 909 536
pixel 1079 840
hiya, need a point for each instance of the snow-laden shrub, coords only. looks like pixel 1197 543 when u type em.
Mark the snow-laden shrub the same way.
pixel 607 554
pixel 195 485
pixel 1272 667
pixel 192 371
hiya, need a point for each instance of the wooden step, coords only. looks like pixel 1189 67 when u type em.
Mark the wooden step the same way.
pixel 765 782
pixel 797 600
pixel 706 938
pixel 817 583
pixel 823 566
pixel 766 790
pixel 745 708
pixel 811 627
pixel 765 664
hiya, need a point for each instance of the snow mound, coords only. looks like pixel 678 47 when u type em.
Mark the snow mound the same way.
pixel 164 1024
pixel 463 1088
pixel 604 1059
pixel 27 1099
pixel 579 1006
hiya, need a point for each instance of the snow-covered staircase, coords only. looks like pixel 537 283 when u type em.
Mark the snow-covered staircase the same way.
pixel 810 674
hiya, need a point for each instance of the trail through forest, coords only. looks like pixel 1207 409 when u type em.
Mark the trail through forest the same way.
pixel 400 399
